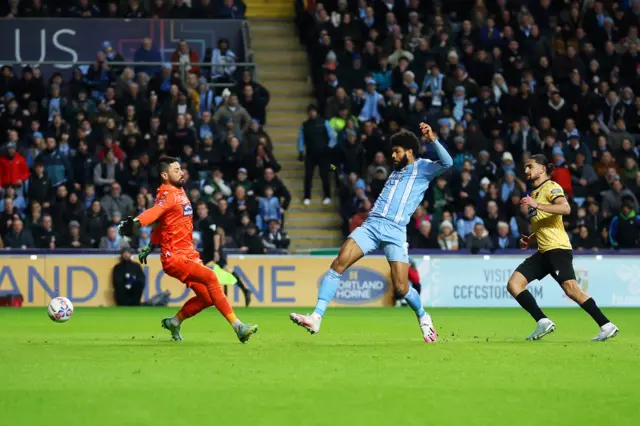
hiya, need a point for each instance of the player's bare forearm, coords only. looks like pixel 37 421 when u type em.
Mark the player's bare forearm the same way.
pixel 149 216
pixel 562 208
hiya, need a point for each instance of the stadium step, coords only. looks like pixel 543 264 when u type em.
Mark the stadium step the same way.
pixel 272 41
pixel 282 67
pixel 269 9
pixel 282 58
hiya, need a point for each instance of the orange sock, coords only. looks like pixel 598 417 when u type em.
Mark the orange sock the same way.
pixel 192 307
pixel 220 301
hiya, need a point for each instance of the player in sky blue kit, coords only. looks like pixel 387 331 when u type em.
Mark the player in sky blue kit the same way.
pixel 386 228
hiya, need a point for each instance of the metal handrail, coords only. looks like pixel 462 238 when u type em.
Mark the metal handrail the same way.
pixel 116 63
pixel 133 65
pixel 248 49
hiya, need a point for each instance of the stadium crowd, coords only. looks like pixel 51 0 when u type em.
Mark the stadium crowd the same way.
pixel 79 151
pixel 499 81
pixel 130 9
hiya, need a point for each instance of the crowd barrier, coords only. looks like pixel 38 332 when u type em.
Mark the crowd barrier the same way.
pixel 32 41
pixel 292 281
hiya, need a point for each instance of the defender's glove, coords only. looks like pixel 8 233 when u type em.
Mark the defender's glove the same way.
pixel 125 227
pixel 142 256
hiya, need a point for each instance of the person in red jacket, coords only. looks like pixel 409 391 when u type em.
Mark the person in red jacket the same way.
pixel 185 55
pixel 13 167
pixel 561 174
pixel 110 146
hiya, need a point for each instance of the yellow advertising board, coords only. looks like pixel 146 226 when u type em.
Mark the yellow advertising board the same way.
pixel 284 281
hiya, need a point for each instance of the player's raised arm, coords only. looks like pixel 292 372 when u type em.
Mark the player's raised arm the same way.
pixel 171 174
pixel 445 161
pixel 146 218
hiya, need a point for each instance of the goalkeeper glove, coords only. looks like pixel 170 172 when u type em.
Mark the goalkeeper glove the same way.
pixel 142 256
pixel 125 227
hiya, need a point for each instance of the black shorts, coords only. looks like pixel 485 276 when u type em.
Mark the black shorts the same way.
pixel 557 263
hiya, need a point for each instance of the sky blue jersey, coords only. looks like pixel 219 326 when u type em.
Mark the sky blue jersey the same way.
pixel 404 189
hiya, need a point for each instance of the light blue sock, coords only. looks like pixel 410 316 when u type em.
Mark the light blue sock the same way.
pixel 328 289
pixel 413 299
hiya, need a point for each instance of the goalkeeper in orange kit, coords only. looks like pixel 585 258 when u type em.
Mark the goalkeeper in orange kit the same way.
pixel 174 214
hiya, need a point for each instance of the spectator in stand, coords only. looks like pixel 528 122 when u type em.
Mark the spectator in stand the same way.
pixel 180 10
pixel 425 238
pixel 223 63
pixel 447 238
pixel 232 9
pixel 315 140
pixel 260 93
pixel 624 230
pixel 250 242
pixel 612 198
pixel 467 223
pixel 13 167
pixel 184 54
pixel 75 239
pixel 235 113
pixel 147 53
pixel 503 240
pixel 84 9
pixel 204 9
pixel 116 201
pixel 56 165
pixel 255 106
pixel 478 239
pixel 274 238
pixel 113 241
pixel 18 237
pixel 45 237
pixel 268 209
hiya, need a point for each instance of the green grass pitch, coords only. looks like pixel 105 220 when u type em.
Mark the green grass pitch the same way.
pixel 111 366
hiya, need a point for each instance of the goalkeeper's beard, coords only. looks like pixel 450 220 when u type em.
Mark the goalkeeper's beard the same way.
pixel 179 183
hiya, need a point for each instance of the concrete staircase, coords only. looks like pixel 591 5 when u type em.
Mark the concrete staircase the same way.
pixel 282 67
pixel 269 8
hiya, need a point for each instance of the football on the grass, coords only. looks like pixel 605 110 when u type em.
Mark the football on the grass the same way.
pixel 60 309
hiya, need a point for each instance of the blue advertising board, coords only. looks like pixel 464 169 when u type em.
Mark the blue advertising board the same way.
pixel 31 41
pixel 481 281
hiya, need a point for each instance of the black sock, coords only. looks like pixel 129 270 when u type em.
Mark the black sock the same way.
pixel 240 283
pixel 592 309
pixel 528 302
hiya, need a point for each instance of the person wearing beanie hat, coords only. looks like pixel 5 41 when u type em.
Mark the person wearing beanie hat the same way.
pixel 75 237
pixel 545 207
pixel 128 280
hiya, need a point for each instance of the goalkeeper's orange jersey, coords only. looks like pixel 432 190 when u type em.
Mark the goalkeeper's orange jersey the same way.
pixel 174 214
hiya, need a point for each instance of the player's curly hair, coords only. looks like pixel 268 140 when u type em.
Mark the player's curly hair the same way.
pixel 543 161
pixel 407 141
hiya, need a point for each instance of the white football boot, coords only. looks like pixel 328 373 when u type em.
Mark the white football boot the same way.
pixel 428 330
pixel 607 331
pixel 545 326
pixel 310 322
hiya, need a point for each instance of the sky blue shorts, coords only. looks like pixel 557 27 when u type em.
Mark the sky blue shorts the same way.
pixel 377 232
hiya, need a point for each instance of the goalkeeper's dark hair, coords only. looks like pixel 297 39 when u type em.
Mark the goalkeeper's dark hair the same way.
pixel 543 161
pixel 164 163
pixel 407 140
